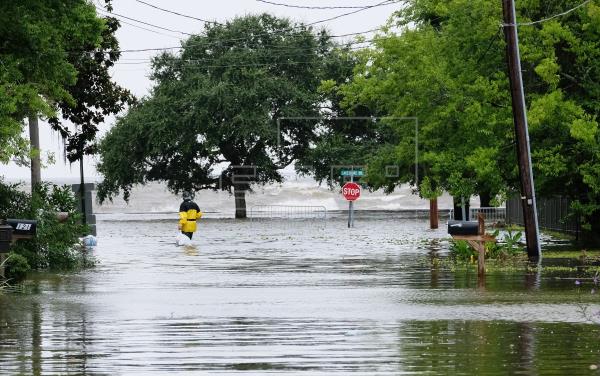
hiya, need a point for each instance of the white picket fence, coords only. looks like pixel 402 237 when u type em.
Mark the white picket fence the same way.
pixel 287 212
pixel 492 215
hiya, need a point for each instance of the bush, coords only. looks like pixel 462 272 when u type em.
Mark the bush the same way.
pixel 510 246
pixel 460 250
pixel 16 267
pixel 54 246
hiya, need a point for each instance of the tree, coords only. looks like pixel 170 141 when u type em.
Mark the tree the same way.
pixel 94 93
pixel 215 105
pixel 36 40
pixel 447 67
pixel 437 69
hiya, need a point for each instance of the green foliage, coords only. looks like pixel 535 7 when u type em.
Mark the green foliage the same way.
pixel 95 94
pixel 507 248
pixel 38 39
pixel 439 71
pixel 16 267
pixel 55 245
pixel 446 65
pixel 460 250
pixel 512 240
pixel 216 104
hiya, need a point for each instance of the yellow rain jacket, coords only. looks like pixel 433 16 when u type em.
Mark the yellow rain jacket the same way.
pixel 189 212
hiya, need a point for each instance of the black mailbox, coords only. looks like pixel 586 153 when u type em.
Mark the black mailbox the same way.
pixel 5 238
pixel 463 227
pixel 22 228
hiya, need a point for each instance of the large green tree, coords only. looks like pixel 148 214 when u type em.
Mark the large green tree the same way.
pixel 437 69
pixel 36 40
pixel 444 62
pixel 210 121
pixel 95 95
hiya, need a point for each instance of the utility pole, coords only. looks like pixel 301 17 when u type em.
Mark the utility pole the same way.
pixel 521 132
pixel 82 190
pixel 34 142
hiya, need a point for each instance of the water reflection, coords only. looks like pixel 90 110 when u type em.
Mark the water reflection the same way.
pixel 253 299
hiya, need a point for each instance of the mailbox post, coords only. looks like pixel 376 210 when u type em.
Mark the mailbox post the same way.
pixel 474 233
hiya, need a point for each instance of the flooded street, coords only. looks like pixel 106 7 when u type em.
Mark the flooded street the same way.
pixel 310 297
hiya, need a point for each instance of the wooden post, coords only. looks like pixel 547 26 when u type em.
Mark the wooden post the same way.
pixel 481 224
pixel 477 242
pixel 521 131
pixel 433 214
pixel 2 259
pixel 34 141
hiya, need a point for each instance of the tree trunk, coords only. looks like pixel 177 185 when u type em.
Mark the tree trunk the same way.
pixel 485 199
pixel 433 214
pixel 34 140
pixel 458 209
pixel 240 202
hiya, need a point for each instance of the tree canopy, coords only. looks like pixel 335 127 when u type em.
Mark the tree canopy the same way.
pixel 95 95
pixel 210 120
pixel 36 41
pixel 444 62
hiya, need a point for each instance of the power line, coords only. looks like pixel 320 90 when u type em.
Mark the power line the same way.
pixel 360 9
pixel 142 22
pixel 177 13
pixel 282 48
pixel 386 2
pixel 309 7
pixel 245 39
pixel 383 3
pixel 492 40
pixel 139 27
pixel 549 18
pixel 258 65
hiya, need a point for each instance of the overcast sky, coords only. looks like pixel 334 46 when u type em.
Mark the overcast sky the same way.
pixel 132 70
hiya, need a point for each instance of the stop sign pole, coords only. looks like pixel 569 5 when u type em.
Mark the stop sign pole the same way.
pixel 351 192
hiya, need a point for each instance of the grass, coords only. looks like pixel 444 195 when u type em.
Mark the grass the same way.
pixel 583 261
pixel 558 235
pixel 581 254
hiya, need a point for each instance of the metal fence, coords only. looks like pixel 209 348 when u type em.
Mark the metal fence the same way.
pixel 554 213
pixel 288 212
pixel 492 215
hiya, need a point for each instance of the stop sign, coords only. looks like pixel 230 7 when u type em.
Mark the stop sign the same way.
pixel 351 191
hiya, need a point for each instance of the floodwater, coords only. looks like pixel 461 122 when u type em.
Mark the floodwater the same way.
pixel 293 297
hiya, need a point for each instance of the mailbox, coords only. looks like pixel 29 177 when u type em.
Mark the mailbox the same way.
pixel 22 228
pixel 463 227
pixel 5 237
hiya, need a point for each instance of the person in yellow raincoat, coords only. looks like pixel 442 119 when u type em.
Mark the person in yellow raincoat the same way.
pixel 189 212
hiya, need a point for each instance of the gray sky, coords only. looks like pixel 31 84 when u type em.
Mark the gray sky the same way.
pixel 133 68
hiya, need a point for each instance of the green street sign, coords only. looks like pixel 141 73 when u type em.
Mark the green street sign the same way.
pixel 357 172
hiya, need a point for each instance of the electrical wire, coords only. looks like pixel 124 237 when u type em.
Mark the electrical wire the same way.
pixel 383 3
pixel 289 49
pixel 307 6
pixel 100 8
pixel 245 39
pixel 363 8
pixel 139 27
pixel 177 13
pixel 139 21
pixel 549 18
pixel 492 40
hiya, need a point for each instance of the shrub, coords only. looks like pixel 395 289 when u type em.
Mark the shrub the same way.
pixel 509 246
pixel 54 246
pixel 16 267
pixel 460 250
